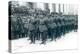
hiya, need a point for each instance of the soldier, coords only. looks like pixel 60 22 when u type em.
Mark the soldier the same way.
pixel 63 26
pixel 75 24
pixel 54 29
pixel 43 30
pixel 26 27
pixel 13 27
pixel 37 21
pixel 70 24
pixel 58 26
pixel 51 26
pixel 31 29
pixel 46 22
pixel 19 27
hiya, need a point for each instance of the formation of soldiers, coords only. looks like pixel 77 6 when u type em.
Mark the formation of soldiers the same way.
pixel 42 26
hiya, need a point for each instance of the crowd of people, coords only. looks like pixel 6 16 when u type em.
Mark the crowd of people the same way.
pixel 41 25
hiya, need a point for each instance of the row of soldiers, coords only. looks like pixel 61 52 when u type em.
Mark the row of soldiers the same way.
pixel 42 27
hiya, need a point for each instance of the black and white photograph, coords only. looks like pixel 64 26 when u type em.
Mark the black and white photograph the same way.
pixel 40 26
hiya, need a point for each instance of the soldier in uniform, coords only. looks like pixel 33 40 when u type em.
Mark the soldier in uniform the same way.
pixel 25 27
pixel 43 30
pixel 58 26
pixel 46 22
pixel 19 27
pixel 37 21
pixel 13 27
pixel 63 25
pixel 67 24
pixel 70 24
pixel 31 29
pixel 76 23
pixel 51 28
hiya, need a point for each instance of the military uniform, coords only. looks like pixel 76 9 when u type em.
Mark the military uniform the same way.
pixel 43 31
pixel 26 28
pixel 37 33
pixel 31 29
pixel 19 27
pixel 51 28
pixel 13 29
